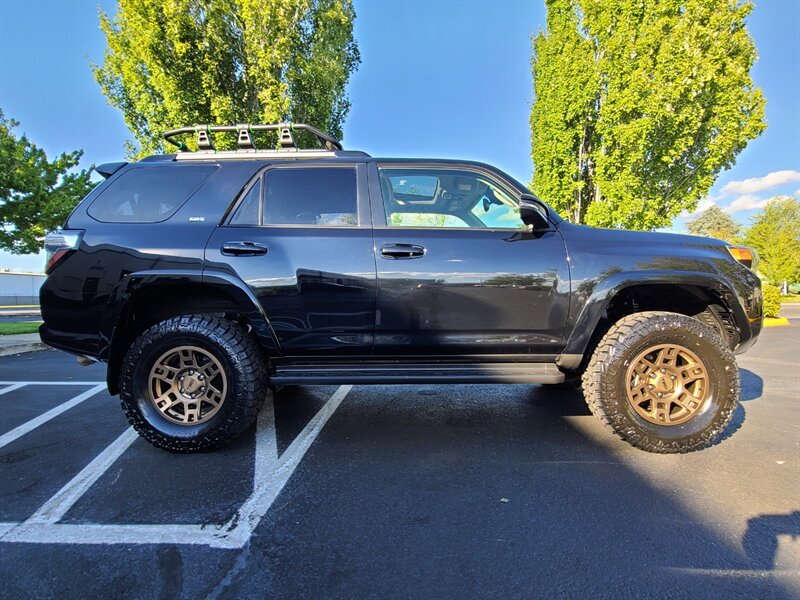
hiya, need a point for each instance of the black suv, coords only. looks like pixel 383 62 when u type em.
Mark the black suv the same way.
pixel 205 278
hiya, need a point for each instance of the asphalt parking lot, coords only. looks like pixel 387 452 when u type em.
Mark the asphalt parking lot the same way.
pixel 396 492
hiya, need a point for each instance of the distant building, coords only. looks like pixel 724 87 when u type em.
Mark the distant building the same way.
pixel 20 288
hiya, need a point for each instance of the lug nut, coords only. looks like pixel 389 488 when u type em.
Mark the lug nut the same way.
pixel 203 389
pixel 650 386
pixel 660 395
pixel 663 370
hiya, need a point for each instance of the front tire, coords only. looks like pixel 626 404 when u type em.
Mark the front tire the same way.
pixel 192 383
pixel 663 382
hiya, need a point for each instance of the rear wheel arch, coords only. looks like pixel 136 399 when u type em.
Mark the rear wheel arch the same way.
pixel 159 299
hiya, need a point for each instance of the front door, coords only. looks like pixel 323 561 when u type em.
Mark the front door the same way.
pixel 458 271
pixel 300 237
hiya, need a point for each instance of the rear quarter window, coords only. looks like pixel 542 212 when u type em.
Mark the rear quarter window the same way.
pixel 148 195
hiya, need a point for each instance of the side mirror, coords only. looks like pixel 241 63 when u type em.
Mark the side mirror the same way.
pixel 533 212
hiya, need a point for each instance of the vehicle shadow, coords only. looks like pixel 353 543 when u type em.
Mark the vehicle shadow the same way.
pixel 752 388
pixel 760 541
pixel 488 490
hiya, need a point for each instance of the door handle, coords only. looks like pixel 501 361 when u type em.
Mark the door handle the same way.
pixel 243 249
pixel 402 251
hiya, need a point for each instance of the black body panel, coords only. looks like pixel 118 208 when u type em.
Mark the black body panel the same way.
pixel 327 295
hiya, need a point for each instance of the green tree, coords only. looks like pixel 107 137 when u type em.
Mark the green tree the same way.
pixel 715 222
pixel 775 234
pixel 36 194
pixel 183 62
pixel 638 105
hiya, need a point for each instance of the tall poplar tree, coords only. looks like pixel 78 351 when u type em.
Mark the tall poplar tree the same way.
pixel 171 63
pixel 638 105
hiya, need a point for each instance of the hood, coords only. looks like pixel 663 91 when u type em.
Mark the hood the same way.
pixel 645 238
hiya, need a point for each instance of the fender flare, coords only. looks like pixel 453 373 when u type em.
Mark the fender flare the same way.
pixel 599 299
pixel 126 290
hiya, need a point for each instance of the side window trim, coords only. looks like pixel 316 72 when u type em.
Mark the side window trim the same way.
pixel 363 210
pixel 377 201
pixel 241 197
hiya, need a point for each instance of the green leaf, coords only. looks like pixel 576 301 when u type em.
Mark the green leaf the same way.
pixel 639 105
pixel 184 62
pixel 36 194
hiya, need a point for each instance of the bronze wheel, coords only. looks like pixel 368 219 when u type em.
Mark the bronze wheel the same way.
pixel 667 384
pixel 662 381
pixel 187 385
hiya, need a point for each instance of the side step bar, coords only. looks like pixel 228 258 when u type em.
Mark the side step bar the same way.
pixel 417 373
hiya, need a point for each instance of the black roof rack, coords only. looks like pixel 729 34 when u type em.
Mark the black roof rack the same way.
pixel 286 140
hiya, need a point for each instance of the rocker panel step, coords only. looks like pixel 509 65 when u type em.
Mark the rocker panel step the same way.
pixel 417 373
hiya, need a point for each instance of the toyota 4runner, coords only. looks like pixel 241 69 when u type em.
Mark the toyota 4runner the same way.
pixel 204 278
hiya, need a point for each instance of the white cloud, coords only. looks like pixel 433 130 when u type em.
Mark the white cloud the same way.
pixel 759 184
pixel 704 205
pixel 745 202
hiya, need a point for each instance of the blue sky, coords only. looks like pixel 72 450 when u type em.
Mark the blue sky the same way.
pixel 437 79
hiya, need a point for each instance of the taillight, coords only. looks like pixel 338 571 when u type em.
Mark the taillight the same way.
pixel 745 255
pixel 60 243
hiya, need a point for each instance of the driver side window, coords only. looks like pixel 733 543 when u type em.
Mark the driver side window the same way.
pixel 446 198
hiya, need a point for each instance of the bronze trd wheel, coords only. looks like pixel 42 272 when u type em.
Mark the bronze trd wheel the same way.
pixel 667 384
pixel 187 385
pixel 192 382
pixel 663 382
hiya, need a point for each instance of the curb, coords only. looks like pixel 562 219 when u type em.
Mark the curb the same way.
pixel 22 348
pixel 775 321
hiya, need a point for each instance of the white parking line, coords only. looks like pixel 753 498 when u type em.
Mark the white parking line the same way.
pixel 28 426
pixel 11 388
pixel 270 475
pixel 21 383
pixel 267 485
pixel 67 496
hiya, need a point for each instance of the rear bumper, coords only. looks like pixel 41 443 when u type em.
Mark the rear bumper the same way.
pixel 81 345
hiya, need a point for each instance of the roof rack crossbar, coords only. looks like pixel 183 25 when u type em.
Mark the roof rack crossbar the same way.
pixel 286 138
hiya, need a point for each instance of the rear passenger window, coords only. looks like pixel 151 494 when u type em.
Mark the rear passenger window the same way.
pixel 148 195
pixel 313 196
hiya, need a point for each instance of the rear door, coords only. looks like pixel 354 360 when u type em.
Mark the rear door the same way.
pixel 458 271
pixel 300 237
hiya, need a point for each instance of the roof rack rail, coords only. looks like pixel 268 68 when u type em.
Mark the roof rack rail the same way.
pixel 286 140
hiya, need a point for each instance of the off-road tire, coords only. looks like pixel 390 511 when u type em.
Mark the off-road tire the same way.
pixel 242 362
pixel 604 381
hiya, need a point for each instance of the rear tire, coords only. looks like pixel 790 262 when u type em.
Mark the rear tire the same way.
pixel 192 383
pixel 663 382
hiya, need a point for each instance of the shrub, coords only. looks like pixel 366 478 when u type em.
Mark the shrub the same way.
pixel 772 300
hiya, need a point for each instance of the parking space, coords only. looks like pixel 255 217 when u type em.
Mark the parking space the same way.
pixel 396 491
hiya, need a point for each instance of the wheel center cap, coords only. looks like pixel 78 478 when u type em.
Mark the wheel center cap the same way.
pixel 191 383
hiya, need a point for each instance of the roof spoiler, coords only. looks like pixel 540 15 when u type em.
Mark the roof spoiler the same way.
pixel 108 169
pixel 244 140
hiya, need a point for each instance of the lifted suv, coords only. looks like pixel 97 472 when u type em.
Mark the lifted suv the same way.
pixel 204 278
